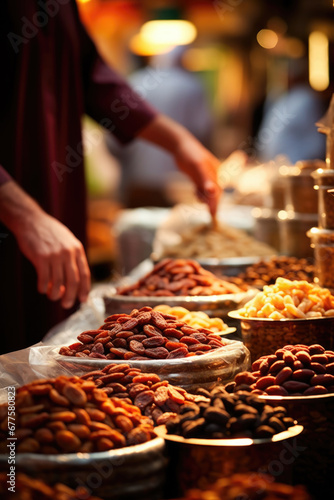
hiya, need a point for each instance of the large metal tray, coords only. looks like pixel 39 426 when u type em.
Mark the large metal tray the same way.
pixel 213 305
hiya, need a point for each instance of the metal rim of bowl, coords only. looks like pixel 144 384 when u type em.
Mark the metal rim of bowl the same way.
pixel 157 300
pixel 225 261
pixel 230 261
pixel 236 315
pixel 301 398
pixel 86 458
pixel 289 433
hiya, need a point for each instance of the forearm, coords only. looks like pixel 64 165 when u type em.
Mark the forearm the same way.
pixel 16 206
pixel 165 132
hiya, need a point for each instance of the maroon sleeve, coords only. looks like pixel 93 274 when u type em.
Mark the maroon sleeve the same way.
pixel 112 103
pixel 4 176
pixel 108 97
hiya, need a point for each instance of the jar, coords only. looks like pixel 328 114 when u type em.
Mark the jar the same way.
pixel 324 181
pixel 322 241
pixel 266 226
pixel 292 233
pixel 326 207
pixel 323 177
pixel 300 195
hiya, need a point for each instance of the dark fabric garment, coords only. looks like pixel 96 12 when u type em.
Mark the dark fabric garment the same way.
pixel 4 176
pixel 51 74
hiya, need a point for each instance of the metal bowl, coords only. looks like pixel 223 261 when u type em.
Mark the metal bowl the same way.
pixel 197 463
pixel 131 473
pixel 231 266
pixel 212 305
pixel 313 448
pixel 264 336
pixel 208 370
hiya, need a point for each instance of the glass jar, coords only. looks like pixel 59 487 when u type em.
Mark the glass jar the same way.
pixel 293 229
pixel 323 181
pixel 322 241
pixel 326 207
pixel 266 226
pixel 300 195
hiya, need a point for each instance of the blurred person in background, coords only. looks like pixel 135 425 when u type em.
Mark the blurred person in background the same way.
pixel 52 75
pixel 178 93
pixel 288 124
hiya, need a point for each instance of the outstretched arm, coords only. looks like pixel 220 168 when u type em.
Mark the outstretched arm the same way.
pixel 57 255
pixel 190 155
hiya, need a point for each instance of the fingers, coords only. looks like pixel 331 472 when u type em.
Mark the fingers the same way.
pixel 55 287
pixel 43 276
pixel 210 195
pixel 65 277
pixel 84 272
pixel 77 278
pixel 71 282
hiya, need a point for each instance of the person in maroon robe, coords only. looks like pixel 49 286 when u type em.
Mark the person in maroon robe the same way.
pixel 51 75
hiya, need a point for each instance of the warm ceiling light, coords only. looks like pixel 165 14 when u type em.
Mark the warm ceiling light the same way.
pixel 171 32
pixel 318 61
pixel 140 46
pixel 268 39
pixel 83 1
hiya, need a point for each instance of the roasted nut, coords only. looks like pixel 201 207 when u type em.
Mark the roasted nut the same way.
pixel 290 299
pixel 240 415
pixel 313 378
pixel 29 488
pixel 267 271
pixel 164 279
pixel 81 424
pixel 255 486
pixel 160 336
pixel 154 397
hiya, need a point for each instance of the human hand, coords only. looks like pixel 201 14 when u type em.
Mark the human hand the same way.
pixel 58 257
pixel 190 155
pixel 201 166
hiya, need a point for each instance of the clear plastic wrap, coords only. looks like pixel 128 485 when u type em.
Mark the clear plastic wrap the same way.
pixel 43 360
pixel 208 370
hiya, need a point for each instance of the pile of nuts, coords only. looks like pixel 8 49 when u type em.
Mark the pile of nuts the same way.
pixel 178 277
pixel 197 319
pixel 265 272
pixel 235 415
pixel 294 370
pixel 70 415
pixel 143 334
pixel 290 299
pixel 253 486
pixel 154 397
pixel 219 241
pixel 27 488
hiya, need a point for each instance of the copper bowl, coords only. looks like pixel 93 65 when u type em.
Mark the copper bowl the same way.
pixel 263 336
